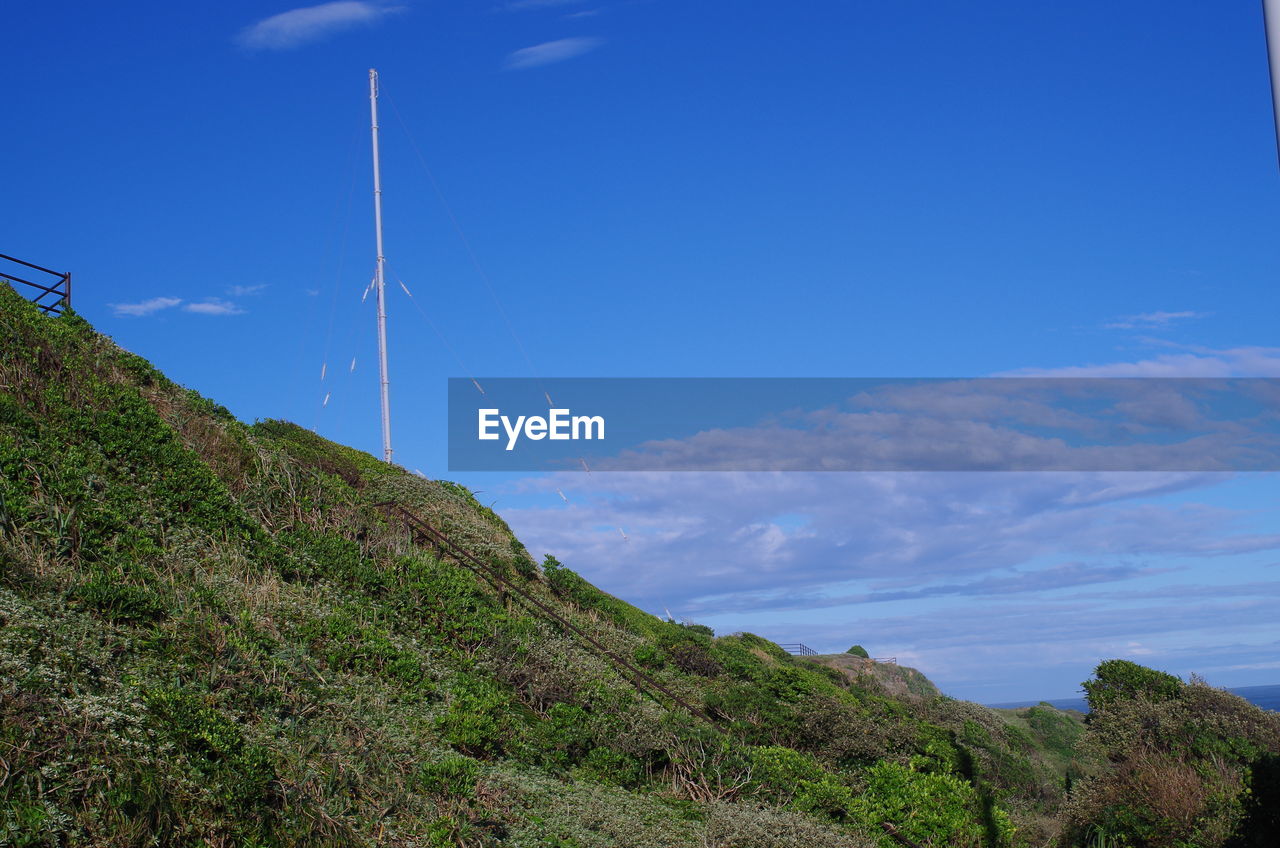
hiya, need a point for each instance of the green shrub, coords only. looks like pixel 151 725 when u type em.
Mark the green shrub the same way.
pixel 1191 771
pixel 795 780
pixel 1058 731
pixel 859 651
pixel 826 797
pixel 105 593
pixel 449 832
pixel 789 684
pixel 649 656
pixel 332 557
pixel 347 642
pixel 452 777
pixel 776 771
pixel 481 720
pixel 214 745
pixel 693 658
pixel 613 768
pixel 1116 680
pixel 930 809
pixel 564 737
pixel 562 580
pixel 23 823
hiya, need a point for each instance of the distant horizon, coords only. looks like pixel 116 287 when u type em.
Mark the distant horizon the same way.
pixel 1237 690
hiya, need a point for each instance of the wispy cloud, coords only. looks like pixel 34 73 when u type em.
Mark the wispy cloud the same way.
pixel 145 307
pixel 1041 575
pixel 549 52
pixel 952 535
pixel 1270 664
pixel 1251 361
pixel 214 306
pixel 244 291
pixel 1153 320
pixel 297 27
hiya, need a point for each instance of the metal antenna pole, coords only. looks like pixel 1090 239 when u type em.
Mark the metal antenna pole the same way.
pixel 1271 19
pixel 379 278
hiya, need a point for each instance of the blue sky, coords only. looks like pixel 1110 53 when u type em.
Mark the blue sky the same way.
pixel 839 188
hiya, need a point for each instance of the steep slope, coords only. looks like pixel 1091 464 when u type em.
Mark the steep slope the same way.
pixel 212 633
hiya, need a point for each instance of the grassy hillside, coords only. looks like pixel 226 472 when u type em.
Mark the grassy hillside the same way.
pixel 212 634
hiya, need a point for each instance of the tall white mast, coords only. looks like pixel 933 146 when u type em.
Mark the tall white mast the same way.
pixel 1271 22
pixel 379 278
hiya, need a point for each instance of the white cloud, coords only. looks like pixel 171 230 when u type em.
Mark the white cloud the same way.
pixel 214 306
pixel 1153 320
pixel 961 569
pixel 145 307
pixel 1195 362
pixel 311 23
pixel 550 52
pixel 242 291
pixel 990 424
pixel 712 541
pixel 1266 666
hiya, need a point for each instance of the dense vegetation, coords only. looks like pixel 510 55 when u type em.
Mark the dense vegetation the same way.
pixel 1189 764
pixel 211 634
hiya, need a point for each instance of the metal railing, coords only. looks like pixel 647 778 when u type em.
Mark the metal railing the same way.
pixel 800 649
pixel 55 288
